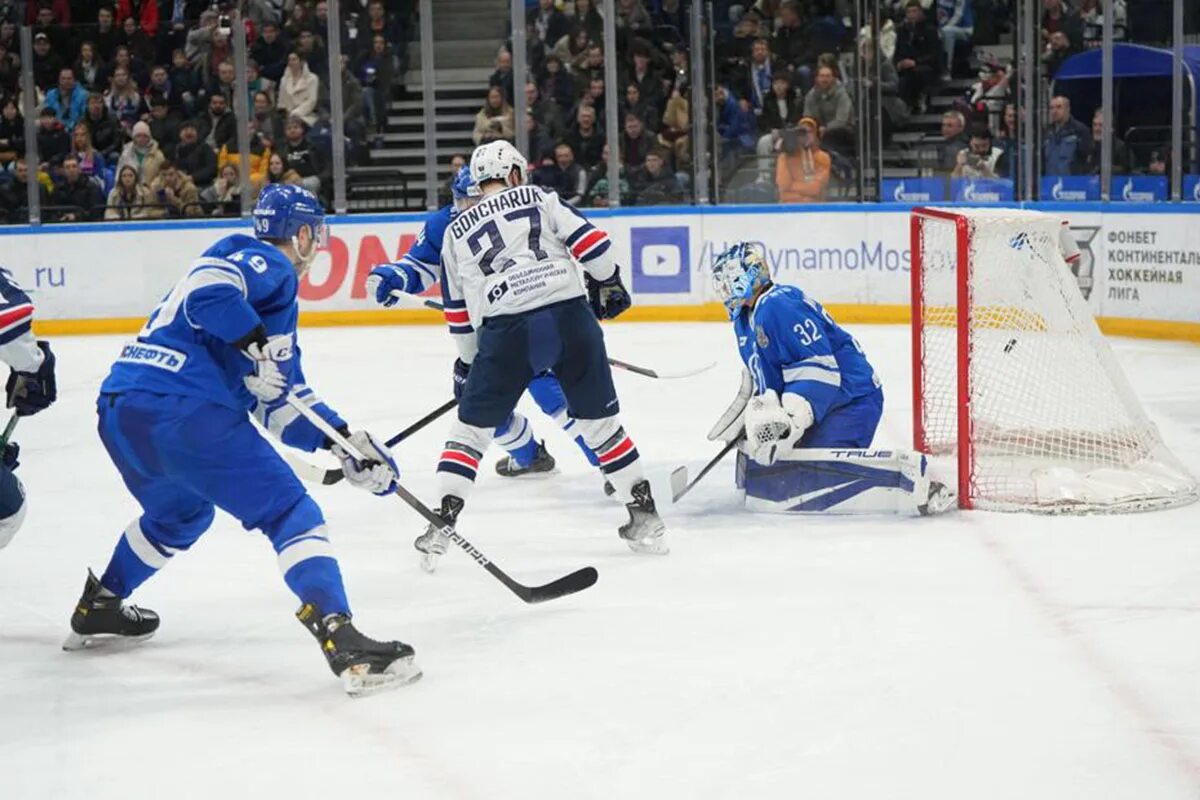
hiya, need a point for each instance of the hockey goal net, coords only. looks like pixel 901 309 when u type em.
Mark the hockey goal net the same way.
pixel 1013 379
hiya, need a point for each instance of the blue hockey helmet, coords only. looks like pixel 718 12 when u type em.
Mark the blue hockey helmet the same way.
pixel 464 189
pixel 738 274
pixel 282 209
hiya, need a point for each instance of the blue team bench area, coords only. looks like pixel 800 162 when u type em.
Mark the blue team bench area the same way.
pixel 1054 188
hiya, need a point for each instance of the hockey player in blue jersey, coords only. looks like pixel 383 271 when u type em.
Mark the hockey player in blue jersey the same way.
pixel 31 388
pixel 808 406
pixel 420 268
pixel 174 415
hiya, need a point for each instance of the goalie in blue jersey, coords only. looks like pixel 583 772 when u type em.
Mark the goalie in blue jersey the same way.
pixel 808 405
pixel 174 416
pixel 418 270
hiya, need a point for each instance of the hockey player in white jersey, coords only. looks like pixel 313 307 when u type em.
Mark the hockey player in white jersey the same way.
pixel 808 406
pixel 31 388
pixel 515 259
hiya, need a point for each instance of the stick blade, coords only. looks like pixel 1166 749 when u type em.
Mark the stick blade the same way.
pixel 679 481
pixel 568 584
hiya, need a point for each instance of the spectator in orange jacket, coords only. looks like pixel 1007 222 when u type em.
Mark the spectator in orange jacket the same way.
pixel 802 168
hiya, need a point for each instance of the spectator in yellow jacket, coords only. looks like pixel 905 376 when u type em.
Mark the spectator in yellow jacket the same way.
pixel 260 155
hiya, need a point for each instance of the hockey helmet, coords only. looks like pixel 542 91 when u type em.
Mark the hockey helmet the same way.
pixel 282 209
pixel 464 189
pixel 494 161
pixel 738 274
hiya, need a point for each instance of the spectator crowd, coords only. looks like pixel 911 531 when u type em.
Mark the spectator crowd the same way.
pixel 136 101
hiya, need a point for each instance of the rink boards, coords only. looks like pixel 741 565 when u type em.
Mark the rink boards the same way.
pixel 1140 265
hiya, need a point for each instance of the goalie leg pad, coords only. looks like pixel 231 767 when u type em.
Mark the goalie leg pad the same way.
pixel 837 481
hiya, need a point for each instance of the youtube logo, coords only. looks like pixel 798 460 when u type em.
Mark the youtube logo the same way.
pixel 661 259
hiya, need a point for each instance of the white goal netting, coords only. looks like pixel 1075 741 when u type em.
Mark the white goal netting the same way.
pixel 1051 423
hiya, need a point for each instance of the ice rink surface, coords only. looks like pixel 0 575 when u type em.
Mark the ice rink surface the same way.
pixel 971 656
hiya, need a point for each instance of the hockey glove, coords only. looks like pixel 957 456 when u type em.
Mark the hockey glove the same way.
pixel 731 424
pixel 271 379
pixel 771 428
pixel 461 370
pixel 31 392
pixel 609 298
pixel 378 473
pixel 385 279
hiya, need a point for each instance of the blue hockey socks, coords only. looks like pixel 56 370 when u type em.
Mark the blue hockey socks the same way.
pixel 311 571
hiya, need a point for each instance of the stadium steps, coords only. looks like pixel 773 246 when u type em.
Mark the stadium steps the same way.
pixel 466 37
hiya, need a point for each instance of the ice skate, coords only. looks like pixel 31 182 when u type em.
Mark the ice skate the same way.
pixel 644 533
pixel 542 462
pixel 101 619
pixel 364 665
pixel 432 543
pixel 941 498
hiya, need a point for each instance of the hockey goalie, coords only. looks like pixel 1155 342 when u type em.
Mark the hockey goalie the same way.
pixel 808 406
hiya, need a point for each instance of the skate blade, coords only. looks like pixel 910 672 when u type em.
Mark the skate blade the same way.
pixel 102 641
pixel 529 473
pixel 656 546
pixel 358 681
pixel 429 562
pixel 939 502
pixel 653 543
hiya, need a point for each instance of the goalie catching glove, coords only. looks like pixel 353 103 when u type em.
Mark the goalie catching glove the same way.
pixel 377 473
pixel 772 427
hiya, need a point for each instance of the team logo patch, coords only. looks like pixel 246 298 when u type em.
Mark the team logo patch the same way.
pixel 497 291
pixel 761 336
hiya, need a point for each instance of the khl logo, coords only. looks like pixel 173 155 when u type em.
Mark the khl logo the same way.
pixel 661 259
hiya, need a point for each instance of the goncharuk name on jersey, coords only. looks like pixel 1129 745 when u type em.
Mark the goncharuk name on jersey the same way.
pixel 514 198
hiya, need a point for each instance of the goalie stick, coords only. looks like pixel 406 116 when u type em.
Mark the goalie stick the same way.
pixel 625 365
pixel 577 581
pixel 314 474
pixel 679 476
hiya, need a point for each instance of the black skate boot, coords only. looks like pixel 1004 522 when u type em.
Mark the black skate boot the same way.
pixel 542 462
pixel 432 543
pixel 364 665
pixel 101 618
pixel 644 533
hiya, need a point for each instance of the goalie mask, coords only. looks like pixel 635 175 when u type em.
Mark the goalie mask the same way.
pixel 738 274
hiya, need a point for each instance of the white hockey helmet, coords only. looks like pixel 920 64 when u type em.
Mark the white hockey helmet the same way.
pixel 495 160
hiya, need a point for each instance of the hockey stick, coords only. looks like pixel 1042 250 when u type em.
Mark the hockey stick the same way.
pixel 625 365
pixel 707 468
pixel 328 477
pixel 568 584
pixel 652 373
pixel 8 429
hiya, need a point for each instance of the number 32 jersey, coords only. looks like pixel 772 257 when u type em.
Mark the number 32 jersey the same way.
pixel 521 249
pixel 791 344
